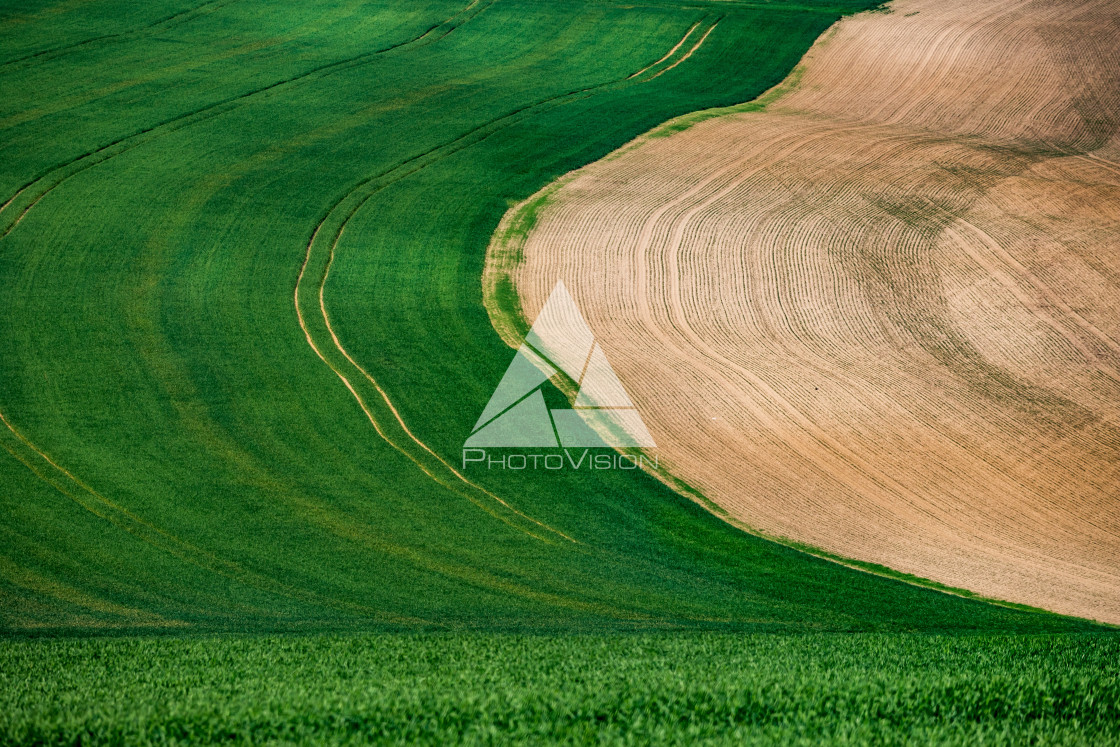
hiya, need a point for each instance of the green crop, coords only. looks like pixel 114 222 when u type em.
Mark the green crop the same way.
pixel 632 689
pixel 178 457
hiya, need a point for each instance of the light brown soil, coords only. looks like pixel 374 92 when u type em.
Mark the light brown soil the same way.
pixel 882 315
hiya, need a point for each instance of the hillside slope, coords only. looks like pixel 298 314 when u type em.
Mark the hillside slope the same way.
pixel 243 338
pixel 879 314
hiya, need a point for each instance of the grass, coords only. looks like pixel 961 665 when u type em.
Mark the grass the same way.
pixel 612 689
pixel 179 458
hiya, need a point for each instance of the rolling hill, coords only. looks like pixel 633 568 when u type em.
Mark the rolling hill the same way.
pixel 244 338
pixel 876 310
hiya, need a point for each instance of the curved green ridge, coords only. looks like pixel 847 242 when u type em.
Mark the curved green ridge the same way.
pixel 179 458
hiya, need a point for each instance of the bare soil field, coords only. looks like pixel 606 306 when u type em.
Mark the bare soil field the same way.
pixel 880 313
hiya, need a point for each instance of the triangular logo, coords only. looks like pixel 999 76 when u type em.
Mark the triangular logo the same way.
pixel 560 340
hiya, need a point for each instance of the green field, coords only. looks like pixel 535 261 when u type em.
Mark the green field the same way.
pixel 636 689
pixel 243 342
pixel 179 456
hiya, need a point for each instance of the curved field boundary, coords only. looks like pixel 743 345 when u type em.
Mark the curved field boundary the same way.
pixel 870 312
pixel 504 259
pixel 371 397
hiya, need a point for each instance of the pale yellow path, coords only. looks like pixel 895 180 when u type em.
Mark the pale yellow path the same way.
pixel 883 315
